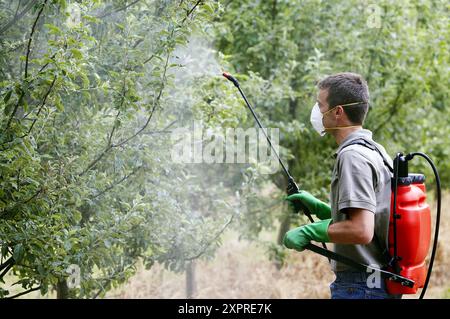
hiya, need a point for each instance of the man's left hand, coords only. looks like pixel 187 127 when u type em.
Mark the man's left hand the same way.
pixel 299 238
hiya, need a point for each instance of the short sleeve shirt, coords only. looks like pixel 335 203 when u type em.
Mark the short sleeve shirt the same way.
pixel 360 179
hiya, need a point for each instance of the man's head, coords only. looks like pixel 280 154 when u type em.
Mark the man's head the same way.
pixel 335 91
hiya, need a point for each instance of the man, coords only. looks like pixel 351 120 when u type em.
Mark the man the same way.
pixel 357 221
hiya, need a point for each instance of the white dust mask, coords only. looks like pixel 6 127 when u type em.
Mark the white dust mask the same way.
pixel 316 120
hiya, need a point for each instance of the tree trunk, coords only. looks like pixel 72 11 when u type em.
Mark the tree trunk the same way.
pixel 62 291
pixel 191 286
pixel 284 227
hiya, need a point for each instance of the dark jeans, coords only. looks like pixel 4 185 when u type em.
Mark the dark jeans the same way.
pixel 353 285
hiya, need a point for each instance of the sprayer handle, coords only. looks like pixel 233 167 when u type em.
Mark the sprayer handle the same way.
pixel 292 187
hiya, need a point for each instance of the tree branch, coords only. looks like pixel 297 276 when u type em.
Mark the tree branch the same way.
pixel 109 145
pixel 6 269
pixel 5 212
pixel 34 196
pixel 9 261
pixel 124 178
pixel 274 12
pixel 17 9
pixel 372 53
pixel 41 107
pixel 115 124
pixel 211 241
pixel 46 64
pixel 24 292
pixel 191 11
pixel 164 130
pixel 31 38
pixel 105 14
pixel 149 59
pixel 96 160
pixel 26 64
pixel 393 110
pixel 17 17
pixel 155 104
pixel 137 43
pixel 108 280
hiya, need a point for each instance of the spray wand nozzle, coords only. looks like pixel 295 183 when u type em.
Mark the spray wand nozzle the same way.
pixel 231 78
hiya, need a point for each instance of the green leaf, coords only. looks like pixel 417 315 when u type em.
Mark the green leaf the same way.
pixel 41 270
pixel 84 80
pixel 8 109
pixel 58 103
pixel 18 253
pixel 7 96
pixel 77 216
pixel 4 250
pixel 91 18
pixel 67 245
pixel 76 53
pixel 208 7
pixel 53 29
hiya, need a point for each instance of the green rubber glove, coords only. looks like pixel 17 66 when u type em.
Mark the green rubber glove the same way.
pixel 298 238
pixel 314 205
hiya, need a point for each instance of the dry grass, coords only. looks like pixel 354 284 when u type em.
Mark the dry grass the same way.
pixel 242 270
pixel 239 270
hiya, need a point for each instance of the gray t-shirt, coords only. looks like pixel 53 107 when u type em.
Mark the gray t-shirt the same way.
pixel 361 180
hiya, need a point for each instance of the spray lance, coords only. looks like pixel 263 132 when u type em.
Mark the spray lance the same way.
pixel 408 275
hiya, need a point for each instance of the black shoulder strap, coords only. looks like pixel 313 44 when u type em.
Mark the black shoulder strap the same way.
pixel 366 143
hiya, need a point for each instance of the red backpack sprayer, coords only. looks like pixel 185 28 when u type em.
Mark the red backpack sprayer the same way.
pixel 409 226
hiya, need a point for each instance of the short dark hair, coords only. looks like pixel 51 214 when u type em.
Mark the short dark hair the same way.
pixel 344 88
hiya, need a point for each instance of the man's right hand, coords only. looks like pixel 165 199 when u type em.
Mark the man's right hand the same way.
pixel 314 205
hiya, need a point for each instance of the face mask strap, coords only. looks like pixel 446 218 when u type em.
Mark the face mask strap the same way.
pixel 354 103
pixel 341 127
pixel 348 104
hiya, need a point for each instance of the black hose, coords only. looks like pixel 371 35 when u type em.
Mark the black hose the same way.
pixel 438 217
pixel 394 214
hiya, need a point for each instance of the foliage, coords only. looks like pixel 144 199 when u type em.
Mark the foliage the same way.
pixel 400 47
pixel 91 90
pixel 86 173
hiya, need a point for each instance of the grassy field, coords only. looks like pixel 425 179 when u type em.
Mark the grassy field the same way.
pixel 242 270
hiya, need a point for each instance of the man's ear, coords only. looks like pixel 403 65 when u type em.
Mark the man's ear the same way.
pixel 339 111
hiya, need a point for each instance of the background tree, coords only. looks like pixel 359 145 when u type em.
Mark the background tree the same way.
pixel 285 47
pixel 89 97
